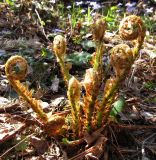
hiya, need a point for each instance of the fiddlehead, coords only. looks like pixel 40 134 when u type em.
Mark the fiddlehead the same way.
pixel 59 47
pixel 74 101
pixel 121 60
pixel 132 28
pixel 98 31
pixel 91 85
pixel 93 76
pixel 98 28
pixel 16 69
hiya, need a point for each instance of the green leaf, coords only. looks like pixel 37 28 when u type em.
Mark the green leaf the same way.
pixel 10 2
pixel 88 44
pixel 65 140
pixel 79 58
pixel 150 85
pixel 117 107
pixel 44 52
pixel 22 145
pixel 42 23
pixel 109 19
pixel 113 8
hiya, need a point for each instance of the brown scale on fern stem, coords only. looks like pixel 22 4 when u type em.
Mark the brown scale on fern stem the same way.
pixel 16 69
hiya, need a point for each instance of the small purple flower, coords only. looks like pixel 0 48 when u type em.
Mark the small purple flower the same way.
pixel 149 10
pixel 52 1
pixel 68 7
pixel 131 7
pixel 119 11
pixel 92 3
pixel 133 4
pixel 119 4
pixel 93 14
pixel 58 31
pixel 95 5
pixel 83 11
pixel 78 3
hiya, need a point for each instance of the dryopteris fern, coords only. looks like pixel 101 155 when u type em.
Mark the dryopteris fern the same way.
pixel 16 69
pixel 96 111
pixel 122 58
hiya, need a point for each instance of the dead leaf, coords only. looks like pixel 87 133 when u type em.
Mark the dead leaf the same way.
pixel 40 145
pixel 3 101
pixel 9 128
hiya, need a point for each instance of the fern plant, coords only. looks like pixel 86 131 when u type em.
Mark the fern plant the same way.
pixel 89 112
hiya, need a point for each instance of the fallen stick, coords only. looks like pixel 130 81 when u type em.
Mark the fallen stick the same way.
pixel 133 127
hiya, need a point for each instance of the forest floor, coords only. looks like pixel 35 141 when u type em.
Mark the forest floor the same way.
pixel 132 137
